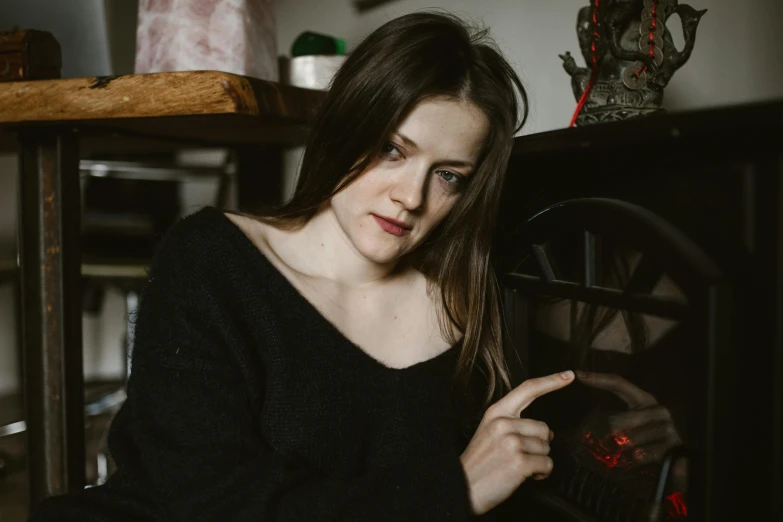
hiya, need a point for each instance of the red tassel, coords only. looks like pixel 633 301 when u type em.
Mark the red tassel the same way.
pixel 583 99
pixel 591 82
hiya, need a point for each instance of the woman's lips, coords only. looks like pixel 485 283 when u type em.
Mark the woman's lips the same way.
pixel 392 227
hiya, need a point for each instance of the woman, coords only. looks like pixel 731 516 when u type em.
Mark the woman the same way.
pixel 305 365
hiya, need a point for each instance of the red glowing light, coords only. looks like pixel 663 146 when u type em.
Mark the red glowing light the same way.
pixel 678 508
pixel 608 451
pixel 621 439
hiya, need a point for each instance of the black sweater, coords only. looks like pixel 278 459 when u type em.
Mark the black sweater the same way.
pixel 246 404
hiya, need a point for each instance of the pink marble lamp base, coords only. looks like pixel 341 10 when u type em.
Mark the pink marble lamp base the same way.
pixel 235 36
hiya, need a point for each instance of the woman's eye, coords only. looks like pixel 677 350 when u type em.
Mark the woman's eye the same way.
pixel 390 151
pixel 449 177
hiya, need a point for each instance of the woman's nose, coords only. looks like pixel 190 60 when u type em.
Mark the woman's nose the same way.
pixel 410 189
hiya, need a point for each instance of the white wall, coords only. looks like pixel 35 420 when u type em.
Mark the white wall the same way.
pixel 79 26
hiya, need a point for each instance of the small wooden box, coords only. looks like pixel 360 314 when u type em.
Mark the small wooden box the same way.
pixel 29 55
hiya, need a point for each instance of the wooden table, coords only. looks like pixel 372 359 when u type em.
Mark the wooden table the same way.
pixel 50 119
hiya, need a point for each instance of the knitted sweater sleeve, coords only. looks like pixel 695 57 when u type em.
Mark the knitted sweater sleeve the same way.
pixel 187 436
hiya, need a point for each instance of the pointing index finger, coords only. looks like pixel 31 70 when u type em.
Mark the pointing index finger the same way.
pixel 523 395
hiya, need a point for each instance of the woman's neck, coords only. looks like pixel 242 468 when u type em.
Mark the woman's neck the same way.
pixel 320 248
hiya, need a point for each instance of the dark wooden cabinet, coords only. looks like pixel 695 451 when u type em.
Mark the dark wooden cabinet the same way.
pixel 704 190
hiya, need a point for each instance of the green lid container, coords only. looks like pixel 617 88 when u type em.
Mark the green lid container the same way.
pixel 309 43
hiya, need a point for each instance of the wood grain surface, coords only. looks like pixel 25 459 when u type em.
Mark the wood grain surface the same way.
pixel 205 106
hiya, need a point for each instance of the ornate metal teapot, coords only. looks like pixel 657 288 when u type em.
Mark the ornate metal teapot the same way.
pixel 631 57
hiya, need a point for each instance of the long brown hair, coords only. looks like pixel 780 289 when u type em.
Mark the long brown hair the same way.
pixel 422 55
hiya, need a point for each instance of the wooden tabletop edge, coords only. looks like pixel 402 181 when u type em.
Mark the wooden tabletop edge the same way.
pixel 182 93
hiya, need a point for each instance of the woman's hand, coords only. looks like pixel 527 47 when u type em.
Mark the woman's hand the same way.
pixel 506 449
pixel 647 427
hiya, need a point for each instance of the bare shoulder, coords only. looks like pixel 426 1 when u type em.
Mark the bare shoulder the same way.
pixel 272 242
pixel 255 230
pixel 246 224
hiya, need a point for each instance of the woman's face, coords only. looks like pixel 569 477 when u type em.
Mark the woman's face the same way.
pixel 406 192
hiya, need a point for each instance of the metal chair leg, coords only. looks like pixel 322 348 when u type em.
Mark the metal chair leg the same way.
pixel 51 310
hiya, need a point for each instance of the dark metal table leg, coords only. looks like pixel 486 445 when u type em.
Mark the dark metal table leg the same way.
pixel 50 220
